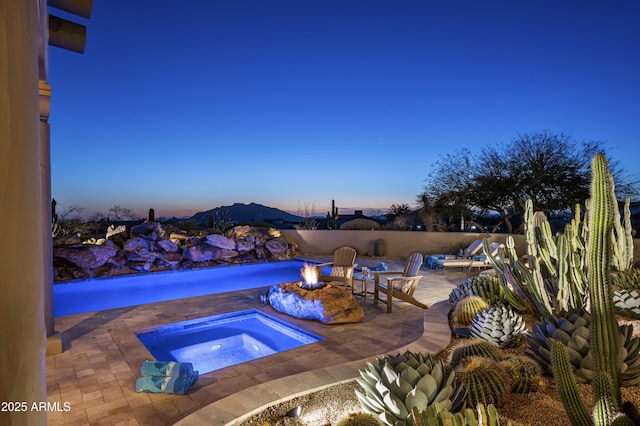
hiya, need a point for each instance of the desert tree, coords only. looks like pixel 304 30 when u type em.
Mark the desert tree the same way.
pixel 399 209
pixel 550 169
pixel 427 211
pixel 449 185
pixel 120 212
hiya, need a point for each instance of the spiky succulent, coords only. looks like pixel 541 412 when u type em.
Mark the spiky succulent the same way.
pixel 404 381
pixel 572 330
pixel 435 415
pixel 467 308
pixel 524 374
pixel 473 347
pixel 485 380
pixel 627 279
pixel 627 303
pixel 499 325
pixel 486 286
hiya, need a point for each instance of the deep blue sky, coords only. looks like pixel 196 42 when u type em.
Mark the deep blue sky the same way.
pixel 188 105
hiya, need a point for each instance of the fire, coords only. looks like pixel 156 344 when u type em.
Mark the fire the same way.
pixel 310 274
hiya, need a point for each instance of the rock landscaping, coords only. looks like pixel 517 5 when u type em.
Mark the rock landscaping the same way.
pixel 148 247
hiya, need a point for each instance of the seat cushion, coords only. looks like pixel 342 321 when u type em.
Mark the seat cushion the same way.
pixel 340 271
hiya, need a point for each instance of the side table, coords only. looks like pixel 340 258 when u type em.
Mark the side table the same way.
pixel 363 285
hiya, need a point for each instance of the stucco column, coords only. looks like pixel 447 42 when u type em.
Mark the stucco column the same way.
pixel 54 343
pixel 22 329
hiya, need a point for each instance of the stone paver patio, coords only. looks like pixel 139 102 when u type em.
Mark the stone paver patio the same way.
pixel 96 374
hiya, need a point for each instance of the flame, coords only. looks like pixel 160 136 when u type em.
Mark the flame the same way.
pixel 310 274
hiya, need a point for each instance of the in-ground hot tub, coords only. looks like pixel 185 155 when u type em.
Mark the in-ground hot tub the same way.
pixel 218 341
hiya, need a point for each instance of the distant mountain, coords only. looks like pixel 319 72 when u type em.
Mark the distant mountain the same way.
pixel 241 213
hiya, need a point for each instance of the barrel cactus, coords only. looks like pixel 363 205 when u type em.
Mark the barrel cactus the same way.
pixel 486 286
pixel 435 415
pixel 404 381
pixel 467 308
pixel 627 303
pixel 524 374
pixel 499 325
pixel 485 380
pixel 572 330
pixel 474 347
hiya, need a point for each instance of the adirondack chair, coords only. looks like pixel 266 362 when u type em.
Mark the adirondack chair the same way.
pixel 342 267
pixel 399 284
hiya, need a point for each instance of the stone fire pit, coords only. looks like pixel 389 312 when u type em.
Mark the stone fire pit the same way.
pixel 329 304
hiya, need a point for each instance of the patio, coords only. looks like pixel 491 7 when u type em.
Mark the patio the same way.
pixel 96 375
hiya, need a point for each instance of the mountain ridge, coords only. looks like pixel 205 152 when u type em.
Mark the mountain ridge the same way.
pixel 241 213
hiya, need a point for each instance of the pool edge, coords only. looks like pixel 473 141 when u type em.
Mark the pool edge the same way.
pixel 231 410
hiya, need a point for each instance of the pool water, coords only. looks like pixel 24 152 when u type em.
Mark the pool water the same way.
pixel 219 341
pixel 137 289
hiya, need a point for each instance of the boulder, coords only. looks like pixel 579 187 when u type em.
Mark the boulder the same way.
pixel 277 246
pixel 169 259
pixel 168 246
pixel 137 243
pixel 221 254
pixel 196 254
pixel 220 241
pixel 87 256
pixel 244 246
pixel 331 304
pixel 113 230
pixel 148 230
pixel 140 266
pixel 142 255
pixel 67 240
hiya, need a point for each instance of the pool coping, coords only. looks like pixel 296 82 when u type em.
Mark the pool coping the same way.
pixel 235 408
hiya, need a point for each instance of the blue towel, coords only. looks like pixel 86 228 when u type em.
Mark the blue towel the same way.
pixel 381 267
pixel 161 384
pixel 432 260
pixel 168 368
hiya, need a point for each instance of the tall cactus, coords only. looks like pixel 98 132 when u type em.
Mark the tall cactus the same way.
pixel 604 327
pixel 622 258
pixel 152 215
pixel 554 279
pixel 603 333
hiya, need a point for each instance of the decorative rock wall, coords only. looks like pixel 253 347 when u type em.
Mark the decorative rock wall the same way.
pixel 148 247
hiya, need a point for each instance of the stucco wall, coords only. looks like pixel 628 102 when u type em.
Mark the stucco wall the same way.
pixel 398 243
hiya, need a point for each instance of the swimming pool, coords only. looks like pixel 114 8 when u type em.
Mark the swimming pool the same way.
pixel 215 342
pixel 130 290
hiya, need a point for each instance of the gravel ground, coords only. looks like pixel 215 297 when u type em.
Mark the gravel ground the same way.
pixel 328 406
pixel 322 408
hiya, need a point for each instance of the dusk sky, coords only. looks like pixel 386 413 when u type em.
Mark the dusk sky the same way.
pixel 186 106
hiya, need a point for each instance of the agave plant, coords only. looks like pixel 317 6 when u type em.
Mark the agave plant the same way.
pixel 572 330
pixel 627 303
pixel 435 415
pixel 404 381
pixel 499 325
